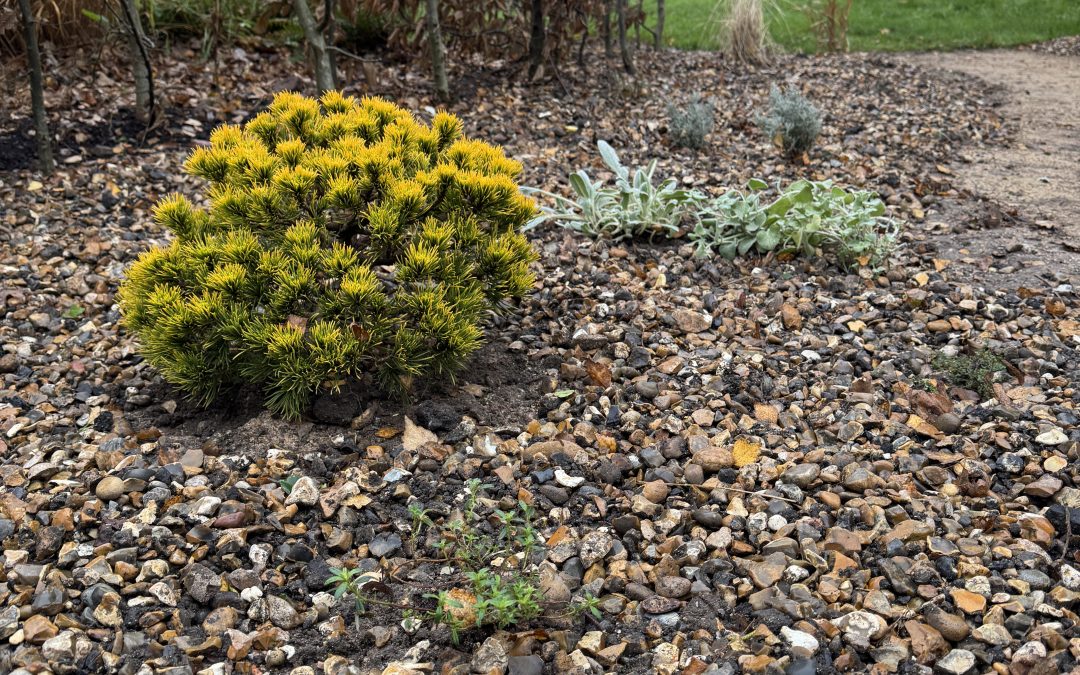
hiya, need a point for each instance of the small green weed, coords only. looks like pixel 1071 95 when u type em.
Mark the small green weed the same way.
pixel 590 605
pixel 925 384
pixel 420 519
pixel 974 370
pixel 502 588
pixel 503 593
pixel 351 582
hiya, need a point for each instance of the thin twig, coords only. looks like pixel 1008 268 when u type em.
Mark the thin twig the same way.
pixel 910 613
pixel 366 59
pixel 1068 532
pixel 558 75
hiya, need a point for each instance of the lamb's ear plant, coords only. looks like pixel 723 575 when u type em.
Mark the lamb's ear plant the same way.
pixel 806 218
pixel 343 239
pixel 631 207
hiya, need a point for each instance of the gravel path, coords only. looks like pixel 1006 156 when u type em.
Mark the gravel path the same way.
pixel 1037 173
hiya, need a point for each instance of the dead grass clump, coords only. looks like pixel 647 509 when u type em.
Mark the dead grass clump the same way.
pixel 746 37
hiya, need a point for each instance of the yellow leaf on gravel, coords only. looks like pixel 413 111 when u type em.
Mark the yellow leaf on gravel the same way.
pixel 766 413
pixel 357 501
pixel 1068 328
pixel 745 452
pixel 923 427
pixel 606 443
pixel 1055 307
pixel 461 606
pixel 558 535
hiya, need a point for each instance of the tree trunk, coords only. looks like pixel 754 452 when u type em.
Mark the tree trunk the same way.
pixel 606 28
pixel 637 26
pixel 324 67
pixel 537 38
pixel 328 27
pixel 140 62
pixel 37 89
pixel 624 48
pixel 438 50
pixel 659 23
pixel 581 48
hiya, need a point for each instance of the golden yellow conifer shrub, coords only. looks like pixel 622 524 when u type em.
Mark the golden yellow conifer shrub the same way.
pixel 343 239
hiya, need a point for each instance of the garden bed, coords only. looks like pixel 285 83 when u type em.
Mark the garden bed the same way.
pixel 758 464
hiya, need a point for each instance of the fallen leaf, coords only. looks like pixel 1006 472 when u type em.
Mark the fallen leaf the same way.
pixel 599 373
pixel 558 535
pixel 745 452
pixel 1068 328
pixel 923 427
pixel 357 501
pixel 766 413
pixel 359 332
pixel 416 436
pixel 1055 307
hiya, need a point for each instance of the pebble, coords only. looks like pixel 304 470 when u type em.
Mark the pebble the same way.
pixel 566 480
pixel 109 488
pixel 672 587
pixel 1053 436
pixel 803 644
pixel 861 627
pixel 304 492
pixel 956 662
pixel 802 475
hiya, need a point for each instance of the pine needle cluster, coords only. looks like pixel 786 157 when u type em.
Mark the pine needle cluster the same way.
pixel 343 239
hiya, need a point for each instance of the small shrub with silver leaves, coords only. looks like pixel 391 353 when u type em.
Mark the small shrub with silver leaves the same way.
pixel 792 121
pixel 689 125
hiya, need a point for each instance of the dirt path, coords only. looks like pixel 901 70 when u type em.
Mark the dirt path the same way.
pixel 1038 175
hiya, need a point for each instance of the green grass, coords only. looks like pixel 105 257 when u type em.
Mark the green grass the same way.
pixel 889 25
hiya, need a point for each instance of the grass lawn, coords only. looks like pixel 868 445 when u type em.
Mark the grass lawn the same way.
pixel 889 25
